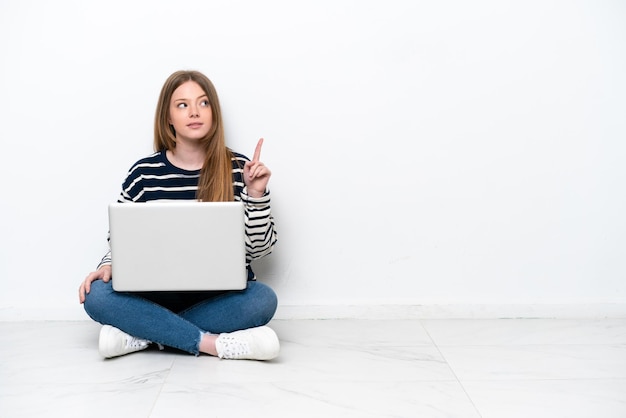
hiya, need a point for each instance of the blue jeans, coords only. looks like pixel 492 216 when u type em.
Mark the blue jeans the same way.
pixel 178 319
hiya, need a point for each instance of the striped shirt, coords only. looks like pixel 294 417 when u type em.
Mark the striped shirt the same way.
pixel 155 178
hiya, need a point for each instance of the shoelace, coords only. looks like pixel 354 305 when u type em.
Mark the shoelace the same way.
pixel 234 347
pixel 133 343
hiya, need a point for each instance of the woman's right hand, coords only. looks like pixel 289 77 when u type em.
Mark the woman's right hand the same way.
pixel 103 273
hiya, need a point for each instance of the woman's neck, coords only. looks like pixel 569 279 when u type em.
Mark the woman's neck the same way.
pixel 185 157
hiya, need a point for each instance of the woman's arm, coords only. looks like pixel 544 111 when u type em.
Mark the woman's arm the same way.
pixel 259 226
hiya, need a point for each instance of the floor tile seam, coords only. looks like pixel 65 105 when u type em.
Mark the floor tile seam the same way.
pixel 161 386
pixel 527 319
pixel 362 346
pixel 74 383
pixel 515 376
pixel 620 345
pixel 443 357
pixel 554 379
pixel 318 380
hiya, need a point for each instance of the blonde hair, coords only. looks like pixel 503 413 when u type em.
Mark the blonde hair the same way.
pixel 216 181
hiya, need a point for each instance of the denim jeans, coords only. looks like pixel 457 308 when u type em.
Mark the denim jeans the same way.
pixel 178 319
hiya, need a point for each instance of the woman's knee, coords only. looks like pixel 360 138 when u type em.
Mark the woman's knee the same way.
pixel 265 299
pixel 97 300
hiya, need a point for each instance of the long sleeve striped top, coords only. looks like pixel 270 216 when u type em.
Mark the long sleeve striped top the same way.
pixel 155 178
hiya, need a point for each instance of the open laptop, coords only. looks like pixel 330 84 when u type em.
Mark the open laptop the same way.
pixel 177 246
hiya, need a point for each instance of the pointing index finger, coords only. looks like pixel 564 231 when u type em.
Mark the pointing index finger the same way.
pixel 257 151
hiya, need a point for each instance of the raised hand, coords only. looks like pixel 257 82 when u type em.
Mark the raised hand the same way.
pixel 255 174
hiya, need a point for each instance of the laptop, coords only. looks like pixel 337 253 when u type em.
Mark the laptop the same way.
pixel 177 246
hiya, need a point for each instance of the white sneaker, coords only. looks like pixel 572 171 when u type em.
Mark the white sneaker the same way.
pixel 114 342
pixel 259 343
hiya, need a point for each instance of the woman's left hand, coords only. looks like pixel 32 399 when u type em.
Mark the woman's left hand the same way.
pixel 255 174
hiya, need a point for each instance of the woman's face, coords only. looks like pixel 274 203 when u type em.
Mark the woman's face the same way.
pixel 190 112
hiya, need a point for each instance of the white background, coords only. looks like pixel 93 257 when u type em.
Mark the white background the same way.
pixel 423 153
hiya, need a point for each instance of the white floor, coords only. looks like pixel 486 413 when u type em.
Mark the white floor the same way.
pixel 334 368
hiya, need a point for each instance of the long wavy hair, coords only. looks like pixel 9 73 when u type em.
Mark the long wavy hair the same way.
pixel 216 181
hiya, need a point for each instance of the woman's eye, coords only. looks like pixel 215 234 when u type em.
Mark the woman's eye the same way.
pixel 181 105
pixel 204 103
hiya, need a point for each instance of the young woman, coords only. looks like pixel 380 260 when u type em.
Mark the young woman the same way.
pixel 192 162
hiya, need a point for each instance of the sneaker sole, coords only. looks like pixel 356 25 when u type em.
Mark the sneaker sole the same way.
pixel 105 352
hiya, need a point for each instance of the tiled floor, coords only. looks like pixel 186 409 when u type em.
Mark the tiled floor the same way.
pixel 333 368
